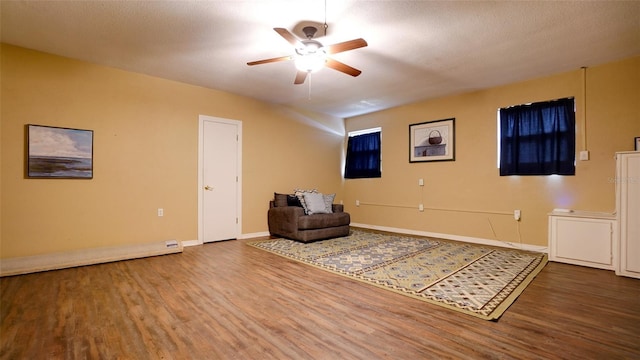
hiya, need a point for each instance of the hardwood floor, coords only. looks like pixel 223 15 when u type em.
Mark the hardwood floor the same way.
pixel 229 300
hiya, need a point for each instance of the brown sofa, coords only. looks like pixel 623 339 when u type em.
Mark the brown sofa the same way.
pixel 288 219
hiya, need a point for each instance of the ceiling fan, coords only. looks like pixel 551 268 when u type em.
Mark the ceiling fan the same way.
pixel 310 55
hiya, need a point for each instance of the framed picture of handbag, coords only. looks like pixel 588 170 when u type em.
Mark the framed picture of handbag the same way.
pixel 432 141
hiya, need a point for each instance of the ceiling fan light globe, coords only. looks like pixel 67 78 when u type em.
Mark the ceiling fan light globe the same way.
pixel 311 62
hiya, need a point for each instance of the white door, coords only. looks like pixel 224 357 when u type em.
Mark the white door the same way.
pixel 219 180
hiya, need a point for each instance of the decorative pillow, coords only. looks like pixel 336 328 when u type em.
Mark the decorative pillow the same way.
pixel 315 203
pixel 280 199
pixel 299 193
pixel 328 202
pixel 292 200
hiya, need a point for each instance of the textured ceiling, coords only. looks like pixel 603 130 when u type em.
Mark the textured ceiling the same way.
pixel 417 49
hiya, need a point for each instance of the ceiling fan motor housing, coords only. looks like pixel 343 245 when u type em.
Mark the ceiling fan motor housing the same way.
pixel 309 31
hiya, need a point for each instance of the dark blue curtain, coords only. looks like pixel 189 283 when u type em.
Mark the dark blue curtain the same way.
pixel 363 156
pixel 538 139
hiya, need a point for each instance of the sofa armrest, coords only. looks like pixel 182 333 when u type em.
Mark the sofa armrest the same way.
pixel 337 208
pixel 283 220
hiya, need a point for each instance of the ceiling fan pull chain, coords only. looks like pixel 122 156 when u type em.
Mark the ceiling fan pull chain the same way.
pixel 325 18
pixel 309 98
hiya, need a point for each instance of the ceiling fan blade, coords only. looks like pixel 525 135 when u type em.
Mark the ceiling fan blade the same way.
pixel 292 39
pixel 345 46
pixel 266 61
pixel 337 65
pixel 301 76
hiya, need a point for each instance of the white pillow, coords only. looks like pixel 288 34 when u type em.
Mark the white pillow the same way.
pixel 315 203
pixel 328 202
pixel 299 193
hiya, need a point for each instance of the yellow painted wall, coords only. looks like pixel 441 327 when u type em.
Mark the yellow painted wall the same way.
pixel 472 181
pixel 145 155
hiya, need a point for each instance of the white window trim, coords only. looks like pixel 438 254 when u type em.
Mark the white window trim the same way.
pixel 364 131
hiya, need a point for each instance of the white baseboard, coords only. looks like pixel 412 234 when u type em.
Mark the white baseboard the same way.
pixel 473 240
pixel 187 243
pixel 45 262
pixel 241 236
pixel 254 235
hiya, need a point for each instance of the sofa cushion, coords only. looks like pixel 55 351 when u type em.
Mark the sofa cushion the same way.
pixel 319 221
pixel 280 200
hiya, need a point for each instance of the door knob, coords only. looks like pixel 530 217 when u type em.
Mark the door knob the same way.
pixel 208 188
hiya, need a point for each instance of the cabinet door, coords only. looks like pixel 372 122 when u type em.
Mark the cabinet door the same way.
pixel 582 241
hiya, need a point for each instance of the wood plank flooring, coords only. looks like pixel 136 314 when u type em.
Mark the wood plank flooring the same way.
pixel 229 300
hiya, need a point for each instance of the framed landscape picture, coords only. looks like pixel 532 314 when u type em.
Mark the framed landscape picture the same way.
pixel 432 141
pixel 55 152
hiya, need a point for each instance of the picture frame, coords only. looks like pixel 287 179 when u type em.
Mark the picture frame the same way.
pixel 637 142
pixel 432 141
pixel 58 153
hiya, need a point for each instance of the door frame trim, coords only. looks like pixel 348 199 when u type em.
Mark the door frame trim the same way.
pixel 201 120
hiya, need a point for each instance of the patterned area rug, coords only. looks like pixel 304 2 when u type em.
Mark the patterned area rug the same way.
pixel 474 279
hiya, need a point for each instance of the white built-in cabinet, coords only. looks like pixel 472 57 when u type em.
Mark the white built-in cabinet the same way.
pixel 603 240
pixel 628 213
pixel 583 238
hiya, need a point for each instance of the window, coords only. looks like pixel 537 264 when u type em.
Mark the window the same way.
pixel 363 154
pixel 538 138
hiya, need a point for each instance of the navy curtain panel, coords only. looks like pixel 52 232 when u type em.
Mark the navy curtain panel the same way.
pixel 538 139
pixel 363 156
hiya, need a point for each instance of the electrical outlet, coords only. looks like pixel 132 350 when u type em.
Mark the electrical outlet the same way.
pixel 160 212
pixel 421 207
pixel 516 215
pixel 420 182
pixel 357 202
